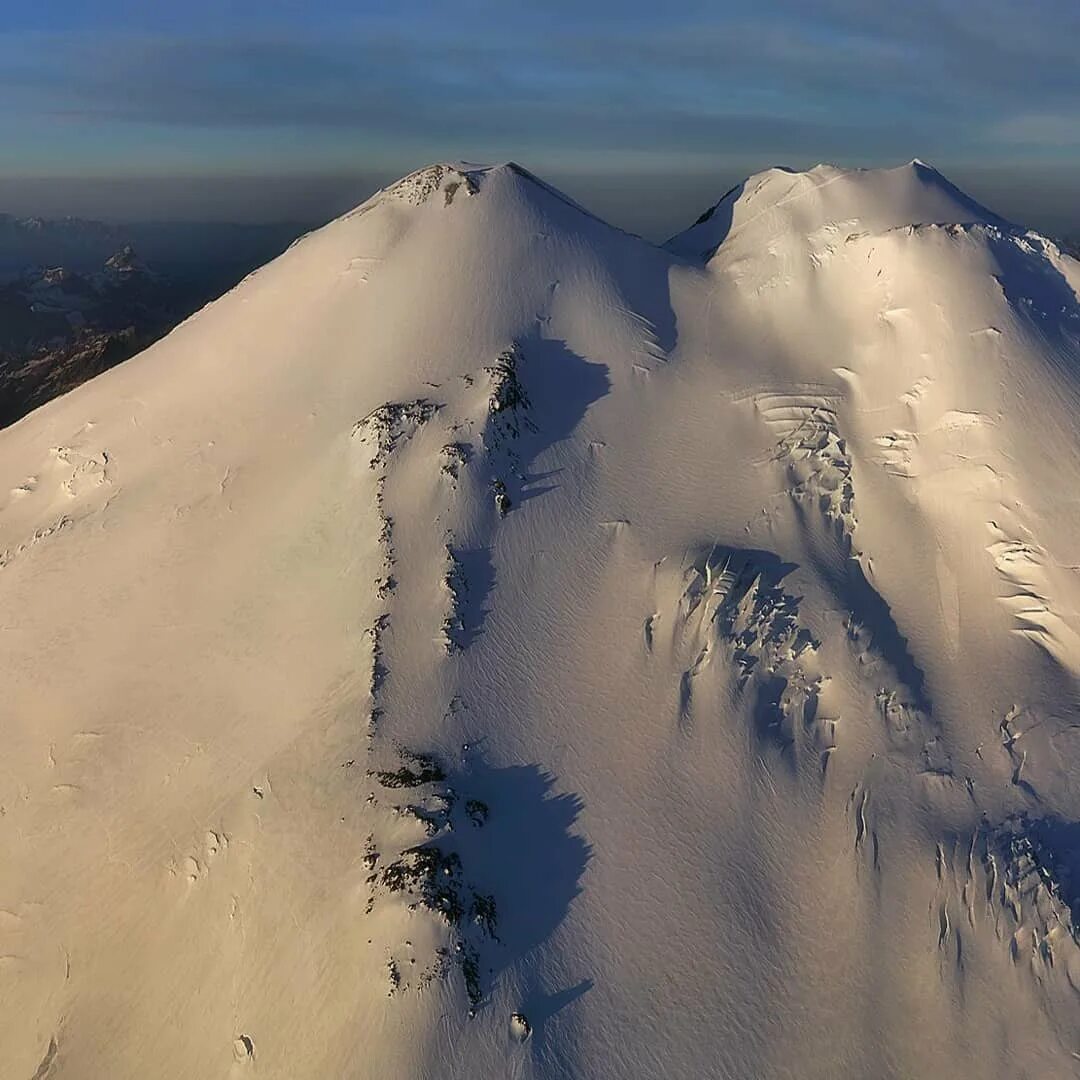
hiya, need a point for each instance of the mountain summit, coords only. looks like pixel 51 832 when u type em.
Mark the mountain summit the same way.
pixel 782 203
pixel 485 644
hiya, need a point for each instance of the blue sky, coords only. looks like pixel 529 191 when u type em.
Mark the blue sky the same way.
pixel 592 94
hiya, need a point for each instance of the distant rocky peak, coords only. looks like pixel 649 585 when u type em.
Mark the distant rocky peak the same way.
pixel 125 262
pixel 53 275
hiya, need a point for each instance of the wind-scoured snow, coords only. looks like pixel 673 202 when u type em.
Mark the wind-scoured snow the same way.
pixel 483 644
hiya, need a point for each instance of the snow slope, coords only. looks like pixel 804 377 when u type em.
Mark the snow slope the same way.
pixel 479 611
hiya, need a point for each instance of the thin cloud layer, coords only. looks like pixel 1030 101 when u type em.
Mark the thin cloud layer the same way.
pixel 325 86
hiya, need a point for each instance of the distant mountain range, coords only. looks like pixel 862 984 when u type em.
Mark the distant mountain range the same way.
pixel 77 296
pixel 178 248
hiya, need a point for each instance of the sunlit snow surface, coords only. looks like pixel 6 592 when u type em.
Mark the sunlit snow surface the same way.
pixel 483 644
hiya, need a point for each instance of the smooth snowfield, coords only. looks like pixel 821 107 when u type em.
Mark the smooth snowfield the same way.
pixel 484 644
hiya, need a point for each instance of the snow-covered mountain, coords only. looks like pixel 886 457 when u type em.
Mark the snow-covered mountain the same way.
pixel 483 644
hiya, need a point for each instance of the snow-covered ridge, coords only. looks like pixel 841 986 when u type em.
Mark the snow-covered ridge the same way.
pixel 486 644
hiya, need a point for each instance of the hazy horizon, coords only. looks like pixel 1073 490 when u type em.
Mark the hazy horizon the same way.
pixel 655 205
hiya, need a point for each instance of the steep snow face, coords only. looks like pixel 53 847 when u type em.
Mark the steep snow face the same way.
pixel 484 644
